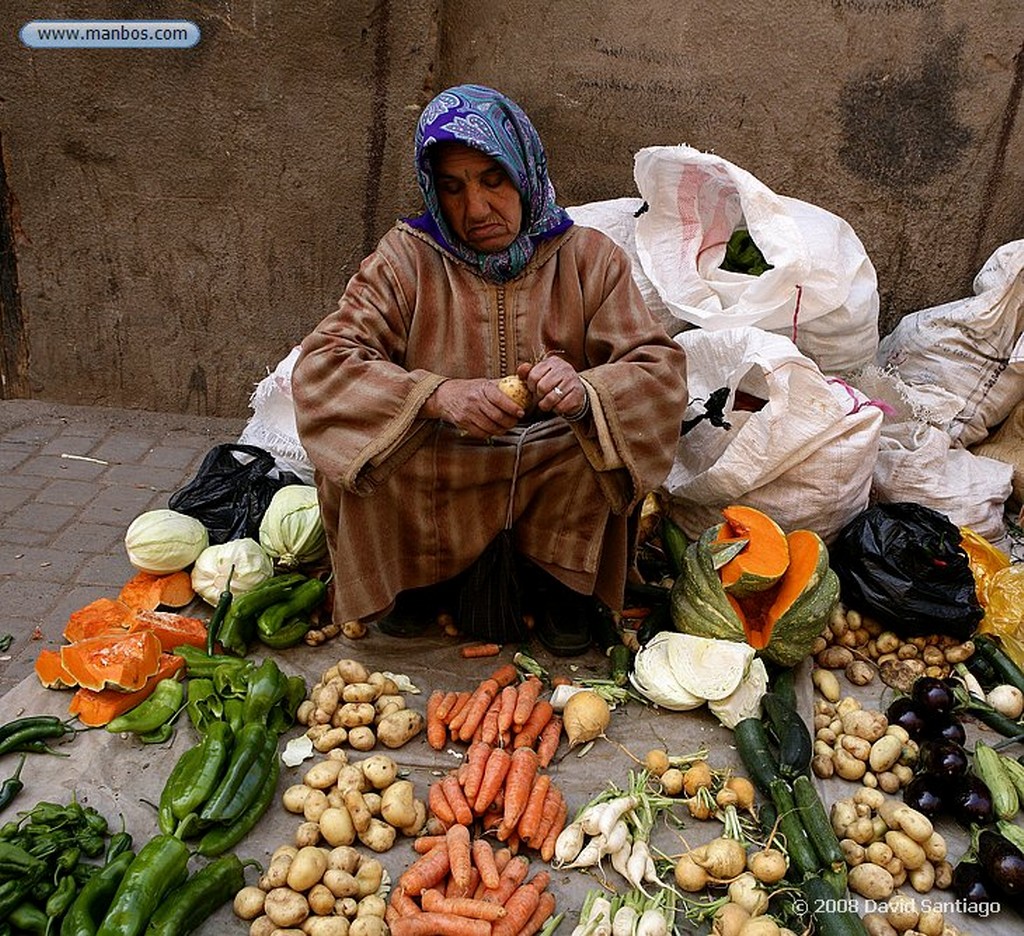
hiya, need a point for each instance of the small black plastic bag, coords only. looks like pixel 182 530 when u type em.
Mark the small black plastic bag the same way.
pixel 903 565
pixel 229 495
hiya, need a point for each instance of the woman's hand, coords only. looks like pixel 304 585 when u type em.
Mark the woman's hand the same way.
pixel 555 385
pixel 475 407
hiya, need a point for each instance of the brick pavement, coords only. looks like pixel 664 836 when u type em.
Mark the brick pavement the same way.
pixel 71 480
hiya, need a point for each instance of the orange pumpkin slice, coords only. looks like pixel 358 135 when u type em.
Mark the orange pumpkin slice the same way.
pixel 764 560
pixel 147 592
pixel 96 709
pixel 120 661
pixel 102 616
pixel 172 629
pixel 51 671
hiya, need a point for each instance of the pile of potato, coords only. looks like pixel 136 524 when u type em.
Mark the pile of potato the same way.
pixel 365 801
pixel 861 646
pixel 350 705
pixel 316 891
pixel 887 843
pixel 902 915
pixel 859 745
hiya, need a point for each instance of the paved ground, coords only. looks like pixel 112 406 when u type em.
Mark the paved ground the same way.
pixel 71 480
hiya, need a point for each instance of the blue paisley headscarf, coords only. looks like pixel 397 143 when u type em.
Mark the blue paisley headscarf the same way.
pixel 488 121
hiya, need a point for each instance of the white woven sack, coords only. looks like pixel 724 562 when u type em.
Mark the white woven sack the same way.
pixel 272 424
pixel 805 458
pixel 969 352
pixel 616 217
pixel 822 291
pixel 918 462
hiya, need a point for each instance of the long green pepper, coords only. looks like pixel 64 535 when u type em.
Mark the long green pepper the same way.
pixel 153 712
pixel 222 837
pixel 189 792
pixel 90 906
pixel 244 775
pixel 188 906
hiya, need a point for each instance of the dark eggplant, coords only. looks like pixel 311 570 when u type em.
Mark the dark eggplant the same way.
pixel 946 729
pixel 1002 862
pixel 906 713
pixel 933 695
pixel 971 802
pixel 927 794
pixel 942 759
pixel 972 886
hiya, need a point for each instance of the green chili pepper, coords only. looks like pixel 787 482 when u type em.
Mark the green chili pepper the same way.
pixel 267 687
pixel 242 778
pixel 234 709
pixel 222 837
pixel 28 918
pixel 303 599
pixel 16 861
pixel 190 792
pixel 158 735
pixel 198 663
pixel 13 785
pixel 119 843
pixel 156 870
pixel 204 706
pixel 219 613
pixel 14 891
pixel 282 715
pixel 84 915
pixel 62 898
pixel 239 626
pixel 288 635
pixel 22 733
pixel 189 905
pixel 152 712
pixel 68 859
pixel 186 767
pixel 233 682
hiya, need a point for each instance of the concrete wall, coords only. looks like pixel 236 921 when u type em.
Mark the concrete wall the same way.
pixel 171 222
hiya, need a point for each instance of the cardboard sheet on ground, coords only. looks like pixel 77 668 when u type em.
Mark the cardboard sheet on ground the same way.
pixel 121 776
pixel 118 775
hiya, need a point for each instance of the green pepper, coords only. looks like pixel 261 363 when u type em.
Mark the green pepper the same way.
pixel 15 861
pixel 152 712
pixel 239 626
pixel 219 613
pixel 288 635
pixel 186 767
pixel 234 709
pixel 204 706
pixel 84 915
pixel 24 734
pixel 120 842
pixel 13 785
pixel 28 918
pixel 243 776
pixel 190 792
pixel 156 870
pixel 222 837
pixel 62 898
pixel 267 687
pixel 302 600
pixel 282 715
pixel 13 892
pixel 198 663
pixel 189 905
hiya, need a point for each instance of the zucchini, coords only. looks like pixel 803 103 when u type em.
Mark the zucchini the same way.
pixel 819 828
pixel 802 856
pixel 792 734
pixel 754 748
pixel 783 683
pixel 831 917
pixel 991 652
pixel 988 765
pixel 675 542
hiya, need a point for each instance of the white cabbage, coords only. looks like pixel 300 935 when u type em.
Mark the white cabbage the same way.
pixel 653 678
pixel 292 530
pixel 252 566
pixel 707 667
pixel 164 541
pixel 745 701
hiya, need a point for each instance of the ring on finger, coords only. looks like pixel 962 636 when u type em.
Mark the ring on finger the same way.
pixel 559 391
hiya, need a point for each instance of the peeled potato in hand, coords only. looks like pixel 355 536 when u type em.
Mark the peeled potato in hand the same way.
pixel 515 388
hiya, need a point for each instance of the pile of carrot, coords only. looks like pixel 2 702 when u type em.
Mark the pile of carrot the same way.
pixel 500 711
pixel 508 793
pixel 462 886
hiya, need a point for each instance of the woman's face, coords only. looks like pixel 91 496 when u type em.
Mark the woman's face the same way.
pixel 478 200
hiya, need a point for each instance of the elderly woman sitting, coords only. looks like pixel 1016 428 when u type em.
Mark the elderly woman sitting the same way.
pixel 422 461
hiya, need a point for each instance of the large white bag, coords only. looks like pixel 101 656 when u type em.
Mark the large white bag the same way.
pixel 966 357
pixel 822 291
pixel 805 458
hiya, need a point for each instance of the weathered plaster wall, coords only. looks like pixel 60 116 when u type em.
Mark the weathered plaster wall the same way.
pixel 180 218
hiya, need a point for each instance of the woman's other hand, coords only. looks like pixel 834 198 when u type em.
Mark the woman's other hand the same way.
pixel 555 385
pixel 475 407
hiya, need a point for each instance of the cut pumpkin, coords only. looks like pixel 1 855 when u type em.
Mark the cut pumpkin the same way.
pixel 147 592
pixel 51 671
pixel 171 629
pixel 764 560
pixel 96 709
pixel 102 616
pixel 122 661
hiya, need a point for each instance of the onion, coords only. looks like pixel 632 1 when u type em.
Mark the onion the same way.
pixel 1006 700
pixel 586 716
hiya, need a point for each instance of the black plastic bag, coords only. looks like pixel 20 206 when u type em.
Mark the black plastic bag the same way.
pixel 903 565
pixel 229 495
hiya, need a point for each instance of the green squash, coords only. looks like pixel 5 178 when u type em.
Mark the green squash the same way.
pixel 781 622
